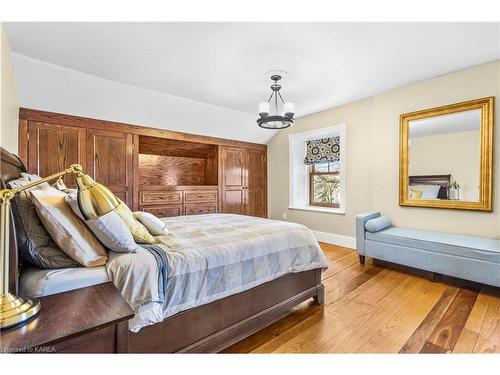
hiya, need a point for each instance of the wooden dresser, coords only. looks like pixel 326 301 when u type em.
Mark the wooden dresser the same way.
pixel 180 200
pixel 159 171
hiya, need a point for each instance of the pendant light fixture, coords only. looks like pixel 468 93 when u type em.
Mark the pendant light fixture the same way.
pixel 275 113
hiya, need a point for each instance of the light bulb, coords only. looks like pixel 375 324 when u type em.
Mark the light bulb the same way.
pixel 263 109
pixel 288 109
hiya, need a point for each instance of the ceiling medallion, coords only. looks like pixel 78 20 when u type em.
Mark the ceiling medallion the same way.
pixel 281 116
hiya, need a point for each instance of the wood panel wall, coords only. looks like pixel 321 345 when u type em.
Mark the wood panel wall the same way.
pixel 156 171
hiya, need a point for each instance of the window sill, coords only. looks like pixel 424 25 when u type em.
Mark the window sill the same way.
pixel 335 211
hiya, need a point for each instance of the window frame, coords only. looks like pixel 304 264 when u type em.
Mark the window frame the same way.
pixel 298 171
pixel 312 173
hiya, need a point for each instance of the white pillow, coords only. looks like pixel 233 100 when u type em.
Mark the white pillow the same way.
pixel 154 225
pixel 66 229
pixel 110 229
pixel 428 191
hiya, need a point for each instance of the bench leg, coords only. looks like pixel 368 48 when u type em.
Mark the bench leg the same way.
pixel 362 259
pixel 431 276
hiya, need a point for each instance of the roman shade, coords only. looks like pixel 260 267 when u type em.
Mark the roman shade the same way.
pixel 324 150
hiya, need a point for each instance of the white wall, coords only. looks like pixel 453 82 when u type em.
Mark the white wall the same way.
pixel 372 164
pixel 53 88
pixel 8 97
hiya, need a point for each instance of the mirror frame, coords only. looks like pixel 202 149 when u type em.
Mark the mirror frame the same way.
pixel 486 105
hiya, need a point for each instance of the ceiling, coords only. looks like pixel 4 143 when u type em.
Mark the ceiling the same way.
pixel 225 64
pixel 452 123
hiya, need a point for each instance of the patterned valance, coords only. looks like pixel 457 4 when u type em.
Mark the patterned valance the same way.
pixel 324 150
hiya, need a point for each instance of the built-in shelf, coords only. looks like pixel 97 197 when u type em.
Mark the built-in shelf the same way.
pixel 170 162
pixel 177 177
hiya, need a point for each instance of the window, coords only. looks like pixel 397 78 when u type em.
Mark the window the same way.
pixel 317 170
pixel 324 185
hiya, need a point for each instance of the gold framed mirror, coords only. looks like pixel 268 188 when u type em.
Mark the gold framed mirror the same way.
pixel 446 156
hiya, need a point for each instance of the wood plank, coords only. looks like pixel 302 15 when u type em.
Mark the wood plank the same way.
pixel 52 149
pixel 234 180
pixel 375 309
pixel 355 330
pixel 256 161
pixel 339 265
pixel 173 147
pixel 394 333
pixel 446 333
pixel 313 333
pixel 424 330
pixel 156 171
pixel 333 252
pixel 468 338
pixel 466 342
pixel 110 161
pixel 348 280
pixel 489 336
pixel 23 141
pixel 431 348
pixel 135 169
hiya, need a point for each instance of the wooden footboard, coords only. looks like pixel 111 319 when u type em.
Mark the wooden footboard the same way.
pixel 213 327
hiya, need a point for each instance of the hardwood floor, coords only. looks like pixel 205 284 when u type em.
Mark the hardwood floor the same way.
pixel 383 309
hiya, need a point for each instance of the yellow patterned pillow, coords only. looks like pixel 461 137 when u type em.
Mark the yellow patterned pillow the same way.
pixel 415 194
pixel 139 231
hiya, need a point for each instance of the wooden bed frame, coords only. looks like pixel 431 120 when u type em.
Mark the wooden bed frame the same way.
pixel 208 328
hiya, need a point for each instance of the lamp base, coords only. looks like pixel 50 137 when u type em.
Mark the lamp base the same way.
pixel 15 310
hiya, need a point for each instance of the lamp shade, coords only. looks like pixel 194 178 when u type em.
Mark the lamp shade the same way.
pixel 94 199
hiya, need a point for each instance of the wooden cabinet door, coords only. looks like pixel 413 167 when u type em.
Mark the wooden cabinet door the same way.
pixel 233 180
pixel 53 148
pixel 256 183
pixel 110 161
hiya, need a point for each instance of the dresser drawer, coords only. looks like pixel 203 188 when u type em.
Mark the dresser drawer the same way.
pixel 165 211
pixel 159 197
pixel 201 208
pixel 200 196
pixel 99 341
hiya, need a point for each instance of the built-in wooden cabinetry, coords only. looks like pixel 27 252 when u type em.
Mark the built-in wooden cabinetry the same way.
pixel 53 148
pixel 243 181
pixel 110 161
pixel 163 172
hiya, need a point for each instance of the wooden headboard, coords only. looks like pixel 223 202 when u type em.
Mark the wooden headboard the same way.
pixel 436 179
pixel 10 169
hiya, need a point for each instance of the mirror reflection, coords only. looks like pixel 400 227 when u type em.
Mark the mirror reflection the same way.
pixel 444 157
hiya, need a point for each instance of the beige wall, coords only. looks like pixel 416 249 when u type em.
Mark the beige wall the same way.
pixel 9 114
pixel 372 127
pixel 457 154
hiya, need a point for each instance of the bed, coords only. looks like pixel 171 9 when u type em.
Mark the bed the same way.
pixel 214 281
pixel 441 180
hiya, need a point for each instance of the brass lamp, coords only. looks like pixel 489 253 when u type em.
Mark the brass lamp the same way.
pixel 94 201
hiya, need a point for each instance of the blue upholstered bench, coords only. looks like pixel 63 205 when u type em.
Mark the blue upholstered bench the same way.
pixel 466 257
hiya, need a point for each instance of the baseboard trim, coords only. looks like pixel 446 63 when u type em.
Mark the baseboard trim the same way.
pixel 335 239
